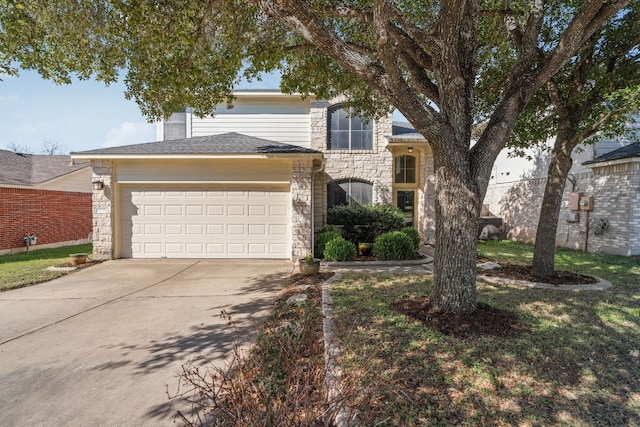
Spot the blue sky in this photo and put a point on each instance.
(82, 116)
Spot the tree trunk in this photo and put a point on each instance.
(457, 210)
(544, 250)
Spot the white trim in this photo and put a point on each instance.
(188, 120)
(160, 130)
(613, 162)
(170, 156)
(180, 182)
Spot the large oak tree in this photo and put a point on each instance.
(423, 57)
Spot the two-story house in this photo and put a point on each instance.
(255, 180)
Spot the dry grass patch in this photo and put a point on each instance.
(572, 360)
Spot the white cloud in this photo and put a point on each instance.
(9, 98)
(130, 133)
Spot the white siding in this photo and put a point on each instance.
(78, 181)
(192, 170)
(281, 119)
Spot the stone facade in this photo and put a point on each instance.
(373, 166)
(103, 215)
(615, 188)
(301, 227)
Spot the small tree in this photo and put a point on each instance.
(596, 94)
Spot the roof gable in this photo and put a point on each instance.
(33, 169)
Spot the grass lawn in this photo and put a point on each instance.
(26, 269)
(576, 363)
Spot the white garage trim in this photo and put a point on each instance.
(205, 221)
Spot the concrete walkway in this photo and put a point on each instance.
(100, 347)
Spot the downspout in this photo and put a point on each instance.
(313, 209)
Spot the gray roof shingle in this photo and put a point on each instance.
(32, 169)
(628, 151)
(227, 143)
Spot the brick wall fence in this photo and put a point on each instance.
(616, 198)
(53, 216)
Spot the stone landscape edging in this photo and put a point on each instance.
(602, 284)
(426, 260)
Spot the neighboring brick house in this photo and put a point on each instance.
(254, 181)
(46, 196)
(611, 178)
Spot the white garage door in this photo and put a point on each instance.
(205, 222)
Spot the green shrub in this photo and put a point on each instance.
(328, 233)
(395, 245)
(365, 223)
(339, 249)
(414, 236)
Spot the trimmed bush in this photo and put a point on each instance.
(414, 236)
(339, 249)
(393, 246)
(365, 223)
(328, 233)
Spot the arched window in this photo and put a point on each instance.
(405, 170)
(349, 192)
(348, 133)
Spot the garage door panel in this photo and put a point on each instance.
(235, 210)
(173, 210)
(173, 229)
(215, 210)
(257, 230)
(196, 229)
(187, 222)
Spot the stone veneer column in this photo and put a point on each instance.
(103, 215)
(301, 228)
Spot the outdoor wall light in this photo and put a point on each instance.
(98, 185)
(410, 149)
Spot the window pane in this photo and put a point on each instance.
(410, 162)
(336, 195)
(349, 192)
(367, 140)
(410, 166)
(358, 135)
(410, 176)
(399, 170)
(356, 140)
(344, 120)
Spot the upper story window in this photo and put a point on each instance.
(405, 170)
(349, 192)
(348, 133)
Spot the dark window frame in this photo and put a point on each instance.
(347, 133)
(405, 174)
(337, 195)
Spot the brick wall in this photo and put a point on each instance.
(616, 193)
(53, 216)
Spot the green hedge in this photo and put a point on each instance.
(395, 245)
(414, 236)
(328, 233)
(339, 249)
(365, 223)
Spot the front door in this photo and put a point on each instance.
(405, 201)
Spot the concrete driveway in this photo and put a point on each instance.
(103, 345)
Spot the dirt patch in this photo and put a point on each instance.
(486, 320)
(523, 272)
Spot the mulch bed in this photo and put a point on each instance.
(486, 320)
(523, 272)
